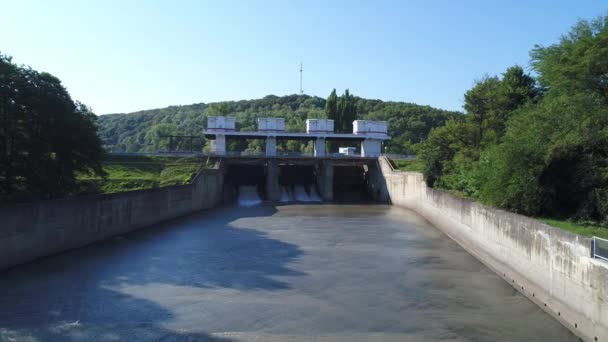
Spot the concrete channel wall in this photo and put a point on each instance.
(552, 267)
(34, 230)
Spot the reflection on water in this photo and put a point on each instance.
(298, 272)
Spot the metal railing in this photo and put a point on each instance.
(600, 248)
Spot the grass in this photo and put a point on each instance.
(577, 228)
(407, 164)
(126, 173)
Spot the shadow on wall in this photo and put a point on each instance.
(129, 287)
(376, 183)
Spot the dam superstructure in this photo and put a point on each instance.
(322, 175)
(367, 134)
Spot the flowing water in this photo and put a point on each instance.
(305, 272)
(248, 196)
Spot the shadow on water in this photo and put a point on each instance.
(79, 295)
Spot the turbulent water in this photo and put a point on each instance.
(248, 196)
(299, 272)
(299, 194)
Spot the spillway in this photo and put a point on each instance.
(248, 196)
(271, 273)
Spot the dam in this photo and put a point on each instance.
(281, 247)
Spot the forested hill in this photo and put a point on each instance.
(141, 131)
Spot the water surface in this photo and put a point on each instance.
(271, 273)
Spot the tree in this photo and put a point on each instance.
(331, 106)
(219, 109)
(157, 138)
(492, 100)
(45, 137)
(347, 112)
(408, 123)
(537, 150)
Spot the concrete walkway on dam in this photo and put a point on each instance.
(266, 273)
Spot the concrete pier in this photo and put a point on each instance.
(271, 146)
(273, 188)
(325, 181)
(320, 147)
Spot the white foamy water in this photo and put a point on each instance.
(300, 194)
(248, 196)
(314, 196)
(286, 195)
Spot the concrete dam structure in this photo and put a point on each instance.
(328, 179)
(298, 248)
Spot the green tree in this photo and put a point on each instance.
(555, 155)
(219, 109)
(408, 123)
(157, 138)
(45, 137)
(347, 112)
(331, 106)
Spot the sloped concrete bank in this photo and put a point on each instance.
(33, 230)
(552, 267)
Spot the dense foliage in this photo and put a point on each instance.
(126, 173)
(143, 131)
(45, 137)
(535, 146)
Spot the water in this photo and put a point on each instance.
(248, 196)
(301, 195)
(286, 195)
(271, 273)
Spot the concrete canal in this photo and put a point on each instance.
(319, 272)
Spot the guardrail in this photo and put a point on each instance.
(256, 154)
(600, 248)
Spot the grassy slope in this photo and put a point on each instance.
(407, 164)
(127, 173)
(580, 229)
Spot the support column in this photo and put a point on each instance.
(325, 181)
(218, 146)
(371, 148)
(320, 147)
(271, 146)
(273, 189)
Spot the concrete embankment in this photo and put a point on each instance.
(552, 267)
(34, 230)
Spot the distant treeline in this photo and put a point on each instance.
(535, 145)
(144, 131)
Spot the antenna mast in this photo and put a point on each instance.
(301, 91)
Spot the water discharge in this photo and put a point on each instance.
(298, 272)
(248, 196)
(301, 195)
(286, 195)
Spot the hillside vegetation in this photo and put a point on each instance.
(125, 173)
(142, 131)
(534, 144)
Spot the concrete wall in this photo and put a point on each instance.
(552, 267)
(325, 180)
(34, 230)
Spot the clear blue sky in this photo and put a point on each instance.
(122, 56)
